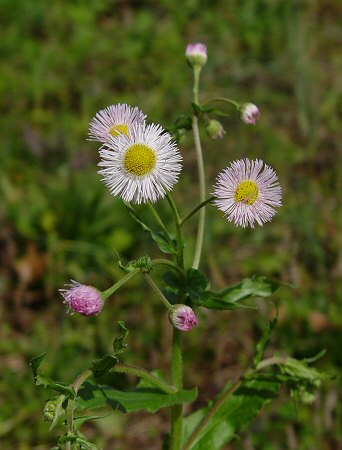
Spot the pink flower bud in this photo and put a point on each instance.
(85, 300)
(183, 317)
(250, 113)
(196, 54)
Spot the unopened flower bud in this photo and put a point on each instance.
(183, 317)
(250, 113)
(215, 129)
(196, 54)
(53, 408)
(85, 300)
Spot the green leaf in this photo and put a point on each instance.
(100, 367)
(119, 344)
(176, 286)
(196, 283)
(144, 397)
(165, 243)
(303, 379)
(79, 421)
(43, 380)
(230, 298)
(231, 416)
(263, 342)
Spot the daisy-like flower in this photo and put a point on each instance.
(196, 54)
(142, 166)
(113, 121)
(183, 317)
(247, 192)
(85, 300)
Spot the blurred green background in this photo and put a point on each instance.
(62, 61)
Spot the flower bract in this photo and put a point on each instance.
(142, 166)
(113, 121)
(85, 300)
(248, 192)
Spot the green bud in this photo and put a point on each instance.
(215, 129)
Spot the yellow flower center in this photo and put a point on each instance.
(140, 159)
(118, 129)
(247, 192)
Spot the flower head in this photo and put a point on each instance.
(183, 317)
(114, 120)
(142, 166)
(247, 192)
(215, 129)
(250, 113)
(85, 300)
(196, 54)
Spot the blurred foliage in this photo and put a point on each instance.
(61, 62)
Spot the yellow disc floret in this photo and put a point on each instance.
(140, 159)
(247, 192)
(118, 129)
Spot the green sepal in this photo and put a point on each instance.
(100, 367)
(260, 348)
(119, 344)
(43, 380)
(165, 242)
(144, 397)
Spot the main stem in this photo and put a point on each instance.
(201, 175)
(176, 410)
(71, 403)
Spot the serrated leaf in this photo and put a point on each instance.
(231, 416)
(119, 344)
(100, 367)
(263, 342)
(43, 380)
(230, 298)
(144, 397)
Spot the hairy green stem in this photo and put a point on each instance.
(119, 283)
(142, 373)
(160, 222)
(167, 262)
(198, 207)
(156, 289)
(177, 375)
(225, 100)
(180, 240)
(201, 174)
(71, 403)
